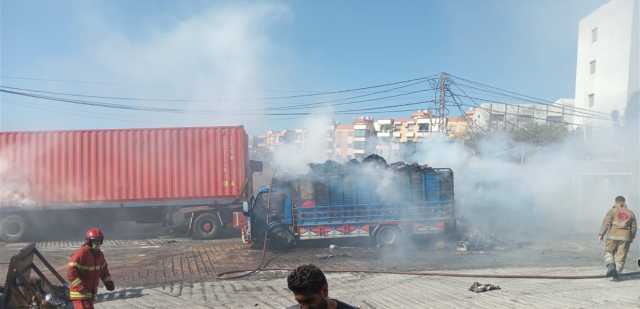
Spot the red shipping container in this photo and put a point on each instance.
(123, 164)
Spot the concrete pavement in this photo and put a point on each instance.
(268, 290)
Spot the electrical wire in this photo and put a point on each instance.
(309, 94)
(527, 116)
(572, 108)
(534, 99)
(185, 111)
(516, 105)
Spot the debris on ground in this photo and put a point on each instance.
(461, 246)
(480, 287)
(330, 256)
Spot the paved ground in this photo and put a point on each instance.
(393, 291)
(181, 273)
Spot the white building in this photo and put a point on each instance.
(607, 62)
(501, 116)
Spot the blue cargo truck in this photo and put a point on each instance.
(356, 199)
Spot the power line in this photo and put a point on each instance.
(527, 116)
(298, 106)
(309, 94)
(353, 97)
(516, 105)
(57, 80)
(320, 93)
(576, 109)
(535, 99)
(180, 111)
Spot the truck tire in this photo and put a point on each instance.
(206, 226)
(388, 236)
(281, 238)
(12, 228)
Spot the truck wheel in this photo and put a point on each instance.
(281, 238)
(12, 228)
(206, 226)
(388, 236)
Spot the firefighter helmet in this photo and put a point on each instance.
(94, 234)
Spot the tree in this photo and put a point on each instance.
(540, 134)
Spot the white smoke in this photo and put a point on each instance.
(315, 147)
(515, 189)
(220, 56)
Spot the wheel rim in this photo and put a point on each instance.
(12, 228)
(388, 236)
(207, 227)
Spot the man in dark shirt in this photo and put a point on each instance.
(311, 290)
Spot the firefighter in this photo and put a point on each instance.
(619, 228)
(87, 266)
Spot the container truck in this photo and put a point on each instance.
(190, 178)
(359, 199)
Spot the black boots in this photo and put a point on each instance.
(611, 271)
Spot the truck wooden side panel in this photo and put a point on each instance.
(122, 165)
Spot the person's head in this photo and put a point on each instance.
(93, 238)
(620, 200)
(309, 286)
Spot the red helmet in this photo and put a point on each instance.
(94, 233)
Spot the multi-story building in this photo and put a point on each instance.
(343, 141)
(364, 137)
(608, 61)
(457, 127)
(384, 134)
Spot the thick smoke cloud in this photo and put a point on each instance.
(223, 56)
(293, 158)
(517, 190)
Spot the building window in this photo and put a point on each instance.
(360, 133)
(592, 67)
(359, 145)
(423, 127)
(592, 100)
(385, 128)
(594, 35)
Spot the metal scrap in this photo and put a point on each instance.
(483, 287)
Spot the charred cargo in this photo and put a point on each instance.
(356, 199)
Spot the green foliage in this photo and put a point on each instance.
(540, 134)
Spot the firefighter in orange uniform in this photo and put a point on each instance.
(619, 228)
(87, 266)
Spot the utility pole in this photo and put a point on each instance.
(442, 103)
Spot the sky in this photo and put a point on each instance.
(229, 54)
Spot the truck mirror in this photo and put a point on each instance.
(245, 207)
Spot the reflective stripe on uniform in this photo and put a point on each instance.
(76, 282)
(79, 295)
(86, 268)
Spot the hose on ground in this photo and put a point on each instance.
(444, 274)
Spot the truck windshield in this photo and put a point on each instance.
(262, 207)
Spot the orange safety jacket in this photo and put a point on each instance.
(85, 269)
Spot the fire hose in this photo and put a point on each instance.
(264, 262)
(247, 272)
